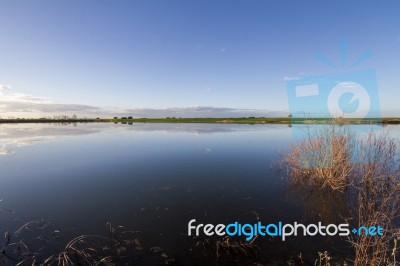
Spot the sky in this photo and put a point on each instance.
(187, 58)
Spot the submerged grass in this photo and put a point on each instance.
(224, 120)
(118, 248)
(322, 158)
(366, 171)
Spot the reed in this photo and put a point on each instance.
(368, 169)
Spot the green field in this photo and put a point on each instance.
(230, 120)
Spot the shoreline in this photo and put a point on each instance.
(249, 120)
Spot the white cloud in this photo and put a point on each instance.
(42, 107)
(290, 78)
(296, 76)
(223, 50)
(27, 106)
(208, 89)
(201, 111)
(4, 88)
(22, 97)
(24, 105)
(6, 96)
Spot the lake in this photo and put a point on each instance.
(141, 184)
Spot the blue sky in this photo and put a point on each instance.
(204, 58)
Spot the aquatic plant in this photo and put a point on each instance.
(368, 169)
(323, 158)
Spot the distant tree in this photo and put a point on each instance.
(115, 117)
(290, 115)
(130, 117)
(340, 119)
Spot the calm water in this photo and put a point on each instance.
(150, 180)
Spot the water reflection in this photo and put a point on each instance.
(14, 136)
(324, 205)
(151, 179)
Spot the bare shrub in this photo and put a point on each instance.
(322, 158)
(377, 182)
(368, 168)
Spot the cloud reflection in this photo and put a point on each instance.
(14, 136)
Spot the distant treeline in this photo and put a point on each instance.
(227, 120)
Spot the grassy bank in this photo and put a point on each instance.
(230, 120)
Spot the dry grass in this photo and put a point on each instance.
(120, 247)
(322, 159)
(367, 168)
(378, 201)
(82, 251)
(227, 247)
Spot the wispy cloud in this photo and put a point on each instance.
(55, 108)
(290, 78)
(296, 76)
(201, 111)
(6, 94)
(4, 88)
(16, 104)
(22, 97)
(223, 50)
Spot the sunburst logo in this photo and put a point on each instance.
(348, 94)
